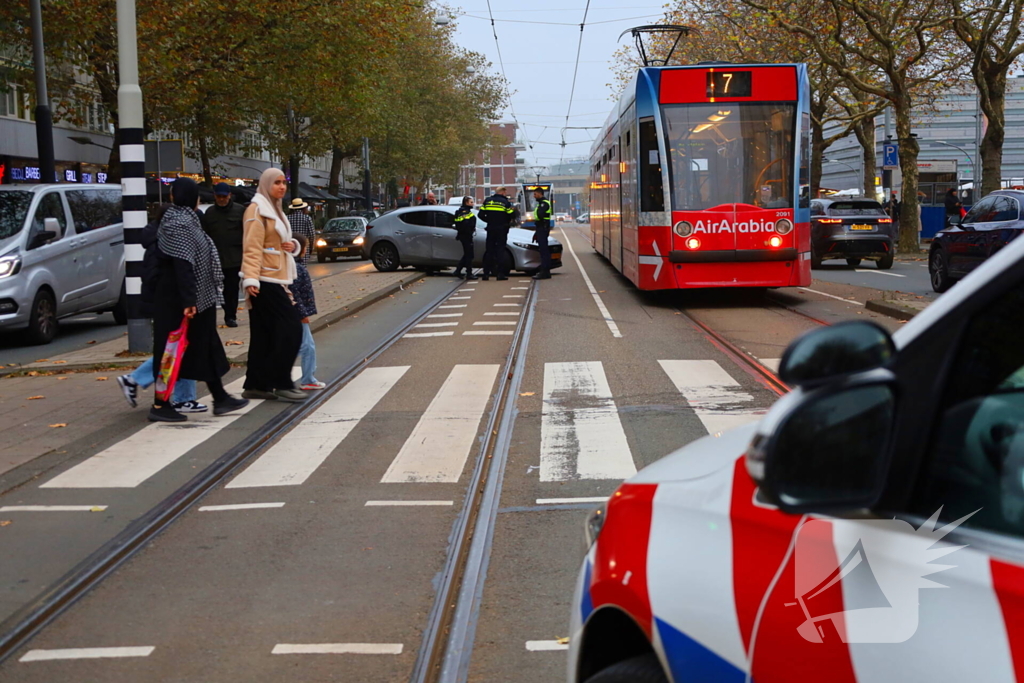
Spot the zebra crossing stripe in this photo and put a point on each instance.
(585, 442)
(713, 394)
(440, 443)
(294, 458)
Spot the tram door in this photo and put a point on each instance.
(614, 209)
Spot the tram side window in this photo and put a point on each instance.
(805, 160)
(652, 195)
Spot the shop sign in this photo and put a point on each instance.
(70, 175)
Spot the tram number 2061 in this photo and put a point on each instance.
(729, 84)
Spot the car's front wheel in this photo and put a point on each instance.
(938, 270)
(644, 669)
(385, 257)
(42, 320)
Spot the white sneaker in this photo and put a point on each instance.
(129, 388)
(191, 407)
(315, 385)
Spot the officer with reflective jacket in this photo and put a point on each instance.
(497, 213)
(542, 228)
(465, 226)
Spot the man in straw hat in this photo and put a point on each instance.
(302, 224)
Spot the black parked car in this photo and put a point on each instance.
(341, 237)
(851, 228)
(964, 245)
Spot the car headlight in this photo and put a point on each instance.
(10, 265)
(783, 226)
(683, 228)
(321, 242)
(524, 245)
(594, 523)
(358, 240)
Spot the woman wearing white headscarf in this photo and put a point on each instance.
(268, 267)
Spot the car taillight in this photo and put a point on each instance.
(829, 221)
(885, 220)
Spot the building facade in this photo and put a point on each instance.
(569, 186)
(504, 165)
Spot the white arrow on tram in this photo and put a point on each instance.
(657, 260)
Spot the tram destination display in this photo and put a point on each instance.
(729, 84)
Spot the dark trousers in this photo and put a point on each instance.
(540, 235)
(275, 335)
(231, 281)
(467, 256)
(494, 262)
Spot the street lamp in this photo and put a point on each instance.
(860, 182)
(82, 140)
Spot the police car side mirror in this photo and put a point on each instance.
(836, 351)
(826, 450)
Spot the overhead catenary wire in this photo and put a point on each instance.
(561, 23)
(575, 72)
(504, 78)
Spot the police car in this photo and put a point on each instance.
(869, 528)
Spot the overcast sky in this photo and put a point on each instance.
(539, 61)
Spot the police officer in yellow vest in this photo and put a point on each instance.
(542, 228)
(497, 213)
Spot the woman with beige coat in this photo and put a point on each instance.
(268, 267)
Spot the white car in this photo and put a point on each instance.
(869, 528)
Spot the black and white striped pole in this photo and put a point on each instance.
(133, 173)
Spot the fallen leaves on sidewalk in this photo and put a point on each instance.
(58, 425)
(35, 398)
(5, 522)
(61, 378)
(92, 342)
(43, 360)
(234, 343)
(528, 393)
(101, 379)
(59, 362)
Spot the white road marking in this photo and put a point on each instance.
(240, 506)
(771, 363)
(831, 296)
(501, 313)
(515, 288)
(439, 445)
(415, 335)
(508, 304)
(593, 290)
(295, 457)
(564, 501)
(437, 325)
(492, 333)
(512, 296)
(453, 306)
(87, 653)
(712, 393)
(459, 298)
(587, 442)
(408, 503)
(446, 315)
(496, 322)
(522, 280)
(133, 460)
(338, 649)
(877, 272)
(545, 645)
(53, 508)
(467, 289)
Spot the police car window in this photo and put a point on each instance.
(975, 459)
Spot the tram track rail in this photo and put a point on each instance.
(27, 622)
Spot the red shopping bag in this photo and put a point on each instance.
(170, 364)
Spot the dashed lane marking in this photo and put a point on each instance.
(87, 653)
(408, 503)
(416, 335)
(338, 649)
(240, 506)
(831, 296)
(593, 290)
(439, 445)
(298, 454)
(53, 508)
(546, 645)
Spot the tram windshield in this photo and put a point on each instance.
(731, 153)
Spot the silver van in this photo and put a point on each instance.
(61, 253)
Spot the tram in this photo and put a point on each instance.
(528, 205)
(700, 178)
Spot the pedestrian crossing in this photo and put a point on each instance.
(582, 436)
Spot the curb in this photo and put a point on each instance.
(892, 309)
(324, 321)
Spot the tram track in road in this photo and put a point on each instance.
(34, 616)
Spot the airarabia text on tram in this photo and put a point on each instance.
(751, 226)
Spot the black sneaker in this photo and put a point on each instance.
(191, 407)
(470, 276)
(500, 278)
(542, 276)
(129, 388)
(165, 413)
(260, 394)
(231, 323)
(229, 405)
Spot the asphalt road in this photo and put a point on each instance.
(320, 558)
(905, 276)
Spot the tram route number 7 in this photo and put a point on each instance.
(729, 84)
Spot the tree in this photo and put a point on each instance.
(991, 33)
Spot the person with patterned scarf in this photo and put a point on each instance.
(189, 285)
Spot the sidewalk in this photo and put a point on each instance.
(337, 296)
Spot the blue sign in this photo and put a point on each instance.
(890, 155)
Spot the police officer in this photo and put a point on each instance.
(541, 230)
(465, 226)
(497, 214)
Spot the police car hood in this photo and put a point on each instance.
(698, 458)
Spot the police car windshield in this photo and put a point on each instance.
(13, 208)
(730, 153)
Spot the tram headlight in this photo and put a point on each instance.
(775, 241)
(683, 228)
(783, 226)
(693, 243)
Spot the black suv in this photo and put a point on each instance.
(966, 243)
(851, 228)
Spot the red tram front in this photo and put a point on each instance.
(700, 178)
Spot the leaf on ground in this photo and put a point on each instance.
(33, 373)
(43, 360)
(92, 342)
(58, 425)
(528, 393)
(59, 362)
(61, 378)
(35, 398)
(101, 379)
(96, 508)
(562, 641)
(5, 522)
(233, 343)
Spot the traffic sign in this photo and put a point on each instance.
(890, 156)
